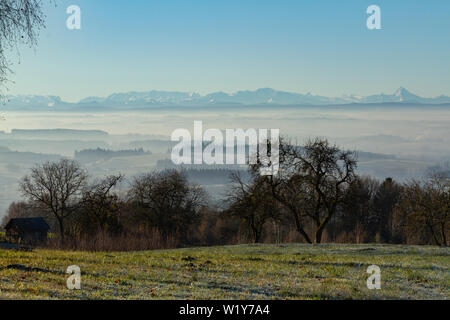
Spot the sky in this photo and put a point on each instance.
(319, 46)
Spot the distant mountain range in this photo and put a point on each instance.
(264, 96)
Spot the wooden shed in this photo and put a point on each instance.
(27, 230)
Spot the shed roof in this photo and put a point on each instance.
(28, 224)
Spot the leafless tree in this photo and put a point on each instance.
(100, 206)
(427, 204)
(311, 182)
(167, 200)
(17, 210)
(357, 211)
(252, 203)
(385, 200)
(57, 186)
(20, 22)
(286, 187)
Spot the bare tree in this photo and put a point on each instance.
(252, 203)
(100, 206)
(385, 200)
(428, 204)
(167, 200)
(20, 22)
(311, 182)
(56, 186)
(17, 210)
(357, 212)
(286, 187)
(326, 172)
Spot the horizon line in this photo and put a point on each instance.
(5, 95)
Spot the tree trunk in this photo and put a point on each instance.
(257, 237)
(300, 228)
(444, 238)
(61, 230)
(321, 227)
(304, 234)
(357, 232)
(293, 210)
(319, 235)
(256, 233)
(438, 243)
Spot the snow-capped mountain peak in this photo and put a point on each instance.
(245, 97)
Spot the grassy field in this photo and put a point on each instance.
(290, 271)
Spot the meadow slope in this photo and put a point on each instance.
(291, 271)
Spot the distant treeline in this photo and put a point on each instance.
(220, 169)
(12, 157)
(205, 176)
(99, 153)
(315, 197)
(55, 133)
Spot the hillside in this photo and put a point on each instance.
(233, 272)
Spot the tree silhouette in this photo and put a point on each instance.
(20, 22)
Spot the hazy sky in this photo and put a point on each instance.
(317, 46)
